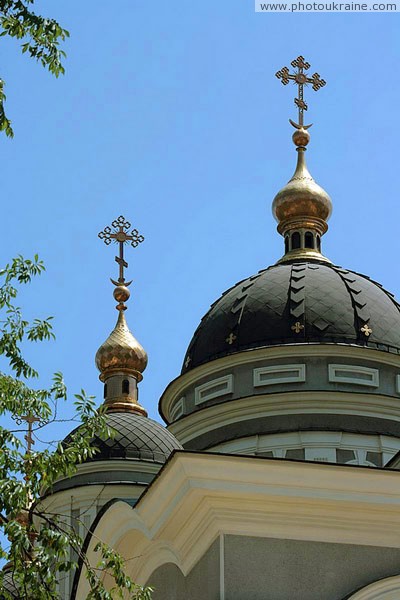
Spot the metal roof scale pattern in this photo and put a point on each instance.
(135, 437)
(306, 302)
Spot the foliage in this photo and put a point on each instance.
(41, 39)
(40, 544)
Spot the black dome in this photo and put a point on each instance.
(330, 304)
(136, 437)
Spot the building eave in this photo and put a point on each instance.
(197, 495)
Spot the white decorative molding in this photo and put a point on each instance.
(398, 384)
(319, 446)
(279, 374)
(285, 403)
(385, 589)
(213, 389)
(323, 454)
(180, 385)
(353, 374)
(177, 409)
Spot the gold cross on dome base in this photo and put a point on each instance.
(120, 235)
(366, 330)
(300, 78)
(297, 327)
(231, 338)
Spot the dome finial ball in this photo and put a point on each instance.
(301, 137)
(121, 293)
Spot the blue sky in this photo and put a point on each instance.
(170, 114)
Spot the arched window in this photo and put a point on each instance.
(318, 243)
(125, 386)
(286, 244)
(309, 240)
(105, 391)
(295, 240)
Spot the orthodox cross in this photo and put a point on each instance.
(119, 234)
(30, 420)
(301, 79)
(23, 515)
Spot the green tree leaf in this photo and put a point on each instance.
(38, 554)
(41, 40)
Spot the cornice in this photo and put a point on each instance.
(284, 403)
(177, 387)
(83, 495)
(111, 466)
(198, 496)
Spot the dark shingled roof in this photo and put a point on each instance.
(136, 437)
(8, 584)
(331, 304)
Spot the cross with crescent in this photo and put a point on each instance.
(119, 234)
(301, 79)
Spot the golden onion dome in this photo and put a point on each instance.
(302, 202)
(121, 352)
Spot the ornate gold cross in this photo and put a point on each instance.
(120, 235)
(231, 338)
(301, 79)
(366, 329)
(297, 327)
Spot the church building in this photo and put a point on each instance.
(275, 476)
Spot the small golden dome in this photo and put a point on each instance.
(302, 199)
(121, 352)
